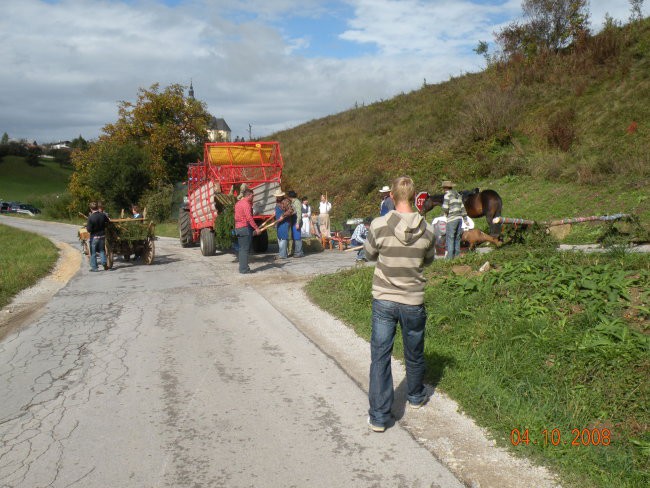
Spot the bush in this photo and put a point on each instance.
(561, 132)
(158, 203)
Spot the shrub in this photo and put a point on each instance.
(158, 203)
(491, 112)
(561, 131)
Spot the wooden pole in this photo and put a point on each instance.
(355, 248)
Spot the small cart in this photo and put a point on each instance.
(127, 237)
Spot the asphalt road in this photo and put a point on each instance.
(181, 374)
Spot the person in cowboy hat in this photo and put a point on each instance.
(387, 203)
(454, 210)
(283, 212)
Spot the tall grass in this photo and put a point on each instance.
(544, 341)
(575, 119)
(24, 259)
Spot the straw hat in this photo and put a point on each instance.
(385, 189)
(278, 193)
(447, 184)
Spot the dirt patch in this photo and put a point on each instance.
(28, 305)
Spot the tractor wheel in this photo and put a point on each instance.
(109, 256)
(208, 246)
(261, 242)
(148, 251)
(185, 228)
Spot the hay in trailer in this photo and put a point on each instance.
(128, 230)
(224, 227)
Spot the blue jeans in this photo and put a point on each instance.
(412, 319)
(97, 245)
(296, 235)
(283, 245)
(454, 233)
(361, 253)
(244, 236)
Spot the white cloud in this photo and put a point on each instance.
(65, 65)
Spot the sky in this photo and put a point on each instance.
(262, 65)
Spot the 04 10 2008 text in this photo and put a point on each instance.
(554, 437)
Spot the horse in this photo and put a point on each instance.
(485, 203)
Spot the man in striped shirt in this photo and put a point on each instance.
(402, 244)
(454, 209)
(245, 228)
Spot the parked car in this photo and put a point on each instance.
(7, 207)
(25, 208)
(31, 208)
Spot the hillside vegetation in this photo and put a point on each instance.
(21, 182)
(574, 124)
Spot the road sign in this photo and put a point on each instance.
(420, 198)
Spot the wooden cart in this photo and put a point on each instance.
(130, 237)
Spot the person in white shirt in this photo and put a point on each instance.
(324, 208)
(306, 217)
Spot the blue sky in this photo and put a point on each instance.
(270, 63)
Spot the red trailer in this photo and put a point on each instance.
(226, 166)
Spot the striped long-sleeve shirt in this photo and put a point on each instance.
(402, 244)
(453, 207)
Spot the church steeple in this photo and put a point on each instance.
(191, 94)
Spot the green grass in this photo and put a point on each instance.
(25, 258)
(547, 340)
(24, 183)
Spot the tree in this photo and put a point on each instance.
(119, 175)
(550, 26)
(79, 143)
(168, 131)
(61, 156)
(5, 139)
(32, 157)
(636, 7)
(168, 124)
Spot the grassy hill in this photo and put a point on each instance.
(559, 136)
(21, 182)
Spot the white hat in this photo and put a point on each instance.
(278, 193)
(385, 189)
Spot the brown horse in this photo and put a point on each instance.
(486, 203)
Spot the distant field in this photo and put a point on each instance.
(21, 182)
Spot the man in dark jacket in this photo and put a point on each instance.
(96, 227)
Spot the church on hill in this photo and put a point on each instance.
(218, 129)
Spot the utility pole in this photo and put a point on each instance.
(250, 137)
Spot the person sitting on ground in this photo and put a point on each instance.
(359, 237)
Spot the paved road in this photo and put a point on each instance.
(181, 374)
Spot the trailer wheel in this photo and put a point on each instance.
(185, 228)
(261, 242)
(208, 246)
(149, 251)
